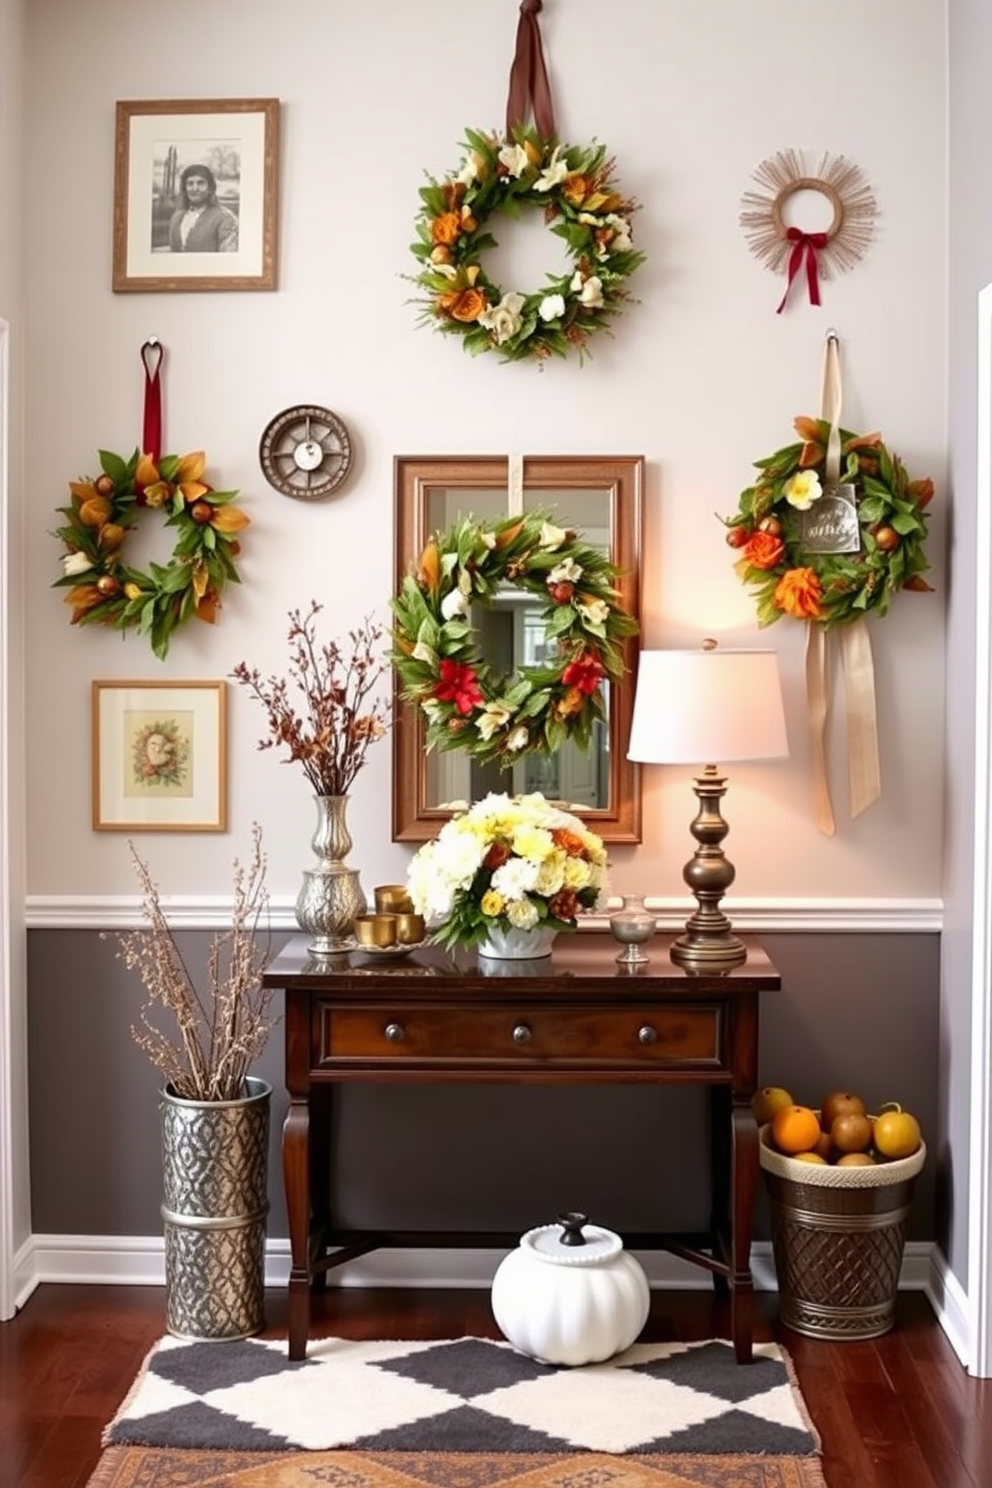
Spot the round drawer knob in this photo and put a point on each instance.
(521, 1034)
(647, 1034)
(394, 1033)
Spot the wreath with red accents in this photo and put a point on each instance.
(466, 705)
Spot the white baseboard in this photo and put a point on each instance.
(129, 1261)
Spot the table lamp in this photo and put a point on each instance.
(694, 706)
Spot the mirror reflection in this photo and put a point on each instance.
(601, 499)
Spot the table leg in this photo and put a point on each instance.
(296, 1176)
(743, 1192)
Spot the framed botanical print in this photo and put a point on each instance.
(195, 184)
(159, 756)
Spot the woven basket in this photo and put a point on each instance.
(838, 1236)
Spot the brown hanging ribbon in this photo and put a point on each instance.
(530, 90)
(152, 357)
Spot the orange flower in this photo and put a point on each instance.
(227, 519)
(469, 305)
(763, 550)
(82, 597)
(429, 569)
(798, 594)
(574, 188)
(156, 491)
(447, 228)
(922, 490)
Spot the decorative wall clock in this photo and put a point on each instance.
(305, 452)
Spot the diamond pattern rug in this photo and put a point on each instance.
(467, 1395)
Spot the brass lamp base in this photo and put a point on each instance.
(708, 943)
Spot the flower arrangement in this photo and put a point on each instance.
(104, 589)
(330, 734)
(507, 863)
(783, 568)
(437, 657)
(575, 190)
(222, 1033)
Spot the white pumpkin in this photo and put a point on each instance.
(570, 1303)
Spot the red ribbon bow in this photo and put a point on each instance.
(808, 244)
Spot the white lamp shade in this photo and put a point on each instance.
(707, 707)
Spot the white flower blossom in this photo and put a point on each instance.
(553, 173)
(453, 604)
(622, 240)
(568, 572)
(494, 717)
(515, 878)
(802, 489)
(515, 158)
(593, 611)
(591, 292)
(522, 914)
(471, 166)
(518, 739)
(423, 652)
(551, 537)
(552, 307)
(76, 563)
(504, 319)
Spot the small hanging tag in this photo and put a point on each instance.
(830, 525)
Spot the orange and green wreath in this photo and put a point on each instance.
(575, 191)
(834, 588)
(104, 589)
(437, 658)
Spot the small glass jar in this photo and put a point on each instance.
(633, 925)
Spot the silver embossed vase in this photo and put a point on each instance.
(331, 896)
(215, 1202)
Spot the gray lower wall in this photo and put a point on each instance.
(857, 1011)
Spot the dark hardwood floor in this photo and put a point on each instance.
(895, 1412)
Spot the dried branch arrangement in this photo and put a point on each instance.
(339, 718)
(220, 1033)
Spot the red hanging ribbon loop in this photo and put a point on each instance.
(808, 244)
(152, 357)
(529, 86)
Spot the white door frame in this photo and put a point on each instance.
(8, 1147)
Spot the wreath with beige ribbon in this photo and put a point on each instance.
(828, 532)
(436, 652)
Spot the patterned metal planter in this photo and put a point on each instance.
(215, 1172)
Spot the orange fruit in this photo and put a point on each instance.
(851, 1132)
(824, 1146)
(810, 1157)
(769, 1099)
(837, 1103)
(795, 1129)
(897, 1133)
(856, 1160)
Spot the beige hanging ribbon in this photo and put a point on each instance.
(514, 485)
(864, 773)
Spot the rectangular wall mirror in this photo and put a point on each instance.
(598, 496)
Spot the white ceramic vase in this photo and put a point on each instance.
(518, 945)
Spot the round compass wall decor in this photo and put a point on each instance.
(305, 452)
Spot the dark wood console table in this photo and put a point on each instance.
(575, 1018)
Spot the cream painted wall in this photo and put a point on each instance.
(702, 377)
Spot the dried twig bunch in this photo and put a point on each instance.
(222, 1032)
(339, 718)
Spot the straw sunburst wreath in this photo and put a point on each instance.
(836, 249)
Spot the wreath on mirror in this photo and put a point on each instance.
(436, 653)
(832, 588)
(574, 188)
(104, 589)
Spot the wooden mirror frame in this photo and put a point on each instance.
(621, 478)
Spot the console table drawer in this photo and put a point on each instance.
(631, 1037)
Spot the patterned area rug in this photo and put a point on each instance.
(160, 1467)
(471, 1396)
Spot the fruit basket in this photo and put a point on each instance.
(838, 1235)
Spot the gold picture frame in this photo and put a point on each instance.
(232, 145)
(159, 756)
